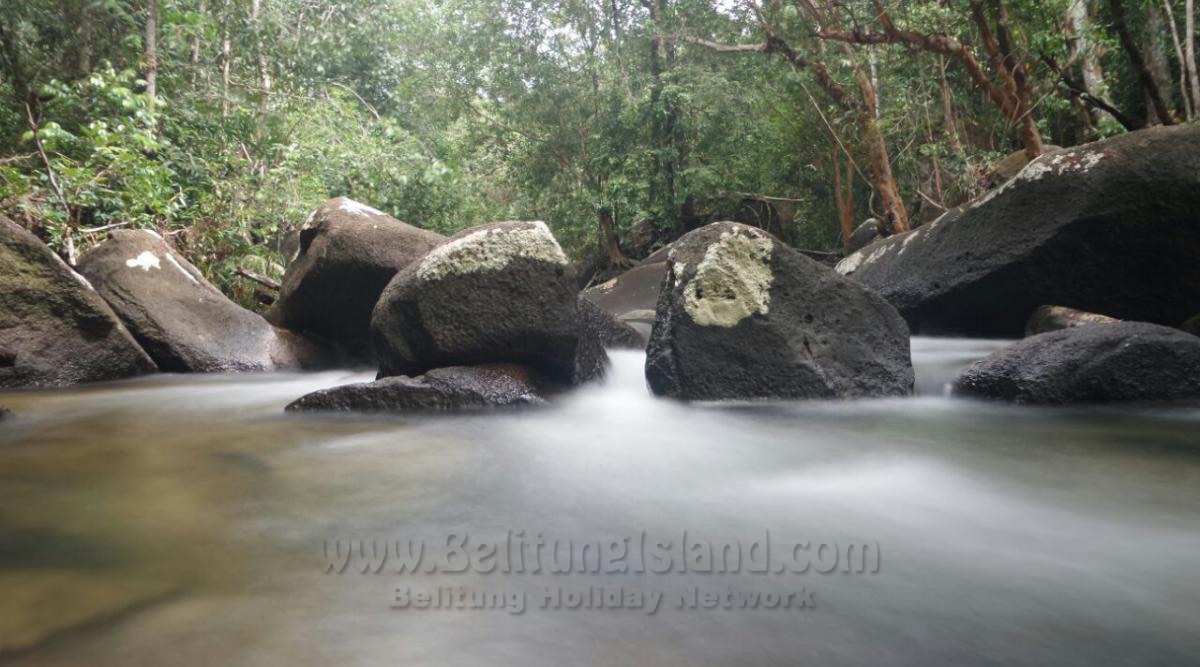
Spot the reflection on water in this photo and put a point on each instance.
(178, 520)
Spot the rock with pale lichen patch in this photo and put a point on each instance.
(502, 292)
(183, 321)
(1111, 227)
(741, 315)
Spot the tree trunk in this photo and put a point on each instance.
(663, 190)
(878, 162)
(1081, 50)
(1156, 56)
(950, 125)
(610, 241)
(1189, 54)
(1157, 103)
(260, 55)
(151, 48)
(194, 59)
(226, 56)
(84, 32)
(843, 193)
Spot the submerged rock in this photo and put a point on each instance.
(1112, 227)
(1125, 361)
(741, 315)
(1054, 318)
(452, 388)
(345, 255)
(5, 413)
(184, 322)
(502, 292)
(54, 329)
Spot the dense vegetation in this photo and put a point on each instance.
(221, 123)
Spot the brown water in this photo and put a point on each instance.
(179, 520)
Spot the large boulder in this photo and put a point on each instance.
(636, 289)
(346, 254)
(741, 315)
(452, 388)
(1192, 325)
(1111, 227)
(602, 326)
(865, 234)
(184, 322)
(502, 292)
(54, 329)
(1052, 318)
(1126, 361)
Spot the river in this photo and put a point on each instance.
(179, 520)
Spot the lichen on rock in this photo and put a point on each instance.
(732, 281)
(491, 250)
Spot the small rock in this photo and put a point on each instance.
(1125, 361)
(1053, 318)
(5, 413)
(440, 389)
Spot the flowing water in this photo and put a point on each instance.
(180, 520)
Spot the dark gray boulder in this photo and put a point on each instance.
(1126, 361)
(502, 292)
(183, 321)
(636, 289)
(1052, 318)
(865, 234)
(1111, 227)
(55, 330)
(346, 254)
(741, 315)
(610, 331)
(440, 389)
(1192, 325)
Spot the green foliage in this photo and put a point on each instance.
(448, 113)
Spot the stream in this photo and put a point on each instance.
(180, 520)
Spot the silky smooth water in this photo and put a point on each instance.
(179, 520)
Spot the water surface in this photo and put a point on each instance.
(179, 520)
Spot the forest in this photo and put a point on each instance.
(221, 124)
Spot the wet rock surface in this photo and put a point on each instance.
(502, 292)
(1125, 361)
(55, 330)
(343, 257)
(741, 315)
(441, 389)
(1111, 227)
(182, 321)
